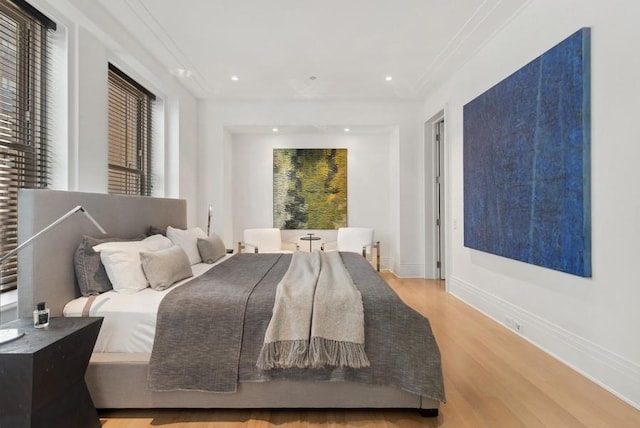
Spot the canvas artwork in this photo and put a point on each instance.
(309, 188)
(527, 162)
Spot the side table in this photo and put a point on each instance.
(309, 237)
(42, 375)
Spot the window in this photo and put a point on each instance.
(130, 114)
(24, 159)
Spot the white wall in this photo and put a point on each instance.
(90, 85)
(590, 323)
(367, 182)
(405, 251)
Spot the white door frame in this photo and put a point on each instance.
(432, 271)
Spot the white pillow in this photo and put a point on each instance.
(121, 261)
(188, 240)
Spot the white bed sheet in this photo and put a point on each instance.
(129, 323)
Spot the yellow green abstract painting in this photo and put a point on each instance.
(309, 188)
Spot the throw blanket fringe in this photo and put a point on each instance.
(337, 353)
(317, 318)
(284, 354)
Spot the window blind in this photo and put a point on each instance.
(24, 160)
(130, 145)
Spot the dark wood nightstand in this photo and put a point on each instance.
(42, 375)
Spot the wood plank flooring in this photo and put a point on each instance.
(493, 378)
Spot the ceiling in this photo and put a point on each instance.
(312, 49)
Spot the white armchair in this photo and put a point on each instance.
(356, 240)
(265, 240)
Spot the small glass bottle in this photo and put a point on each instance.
(41, 316)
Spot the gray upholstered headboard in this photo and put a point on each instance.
(45, 268)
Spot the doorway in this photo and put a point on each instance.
(439, 197)
(435, 227)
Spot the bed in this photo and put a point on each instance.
(120, 379)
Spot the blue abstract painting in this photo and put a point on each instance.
(527, 162)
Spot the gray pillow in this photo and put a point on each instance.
(90, 273)
(165, 267)
(211, 248)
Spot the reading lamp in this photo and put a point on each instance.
(7, 335)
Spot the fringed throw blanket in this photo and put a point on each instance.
(318, 317)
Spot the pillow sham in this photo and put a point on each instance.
(122, 262)
(164, 268)
(211, 248)
(90, 273)
(188, 240)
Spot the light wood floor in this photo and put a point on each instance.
(493, 378)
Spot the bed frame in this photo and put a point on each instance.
(116, 380)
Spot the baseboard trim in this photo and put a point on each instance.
(407, 270)
(614, 373)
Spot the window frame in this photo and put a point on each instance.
(24, 125)
(130, 110)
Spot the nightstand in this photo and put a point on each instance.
(42, 375)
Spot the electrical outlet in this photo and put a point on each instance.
(518, 327)
(514, 324)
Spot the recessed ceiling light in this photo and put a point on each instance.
(347, 130)
(181, 72)
(388, 78)
(234, 78)
(274, 129)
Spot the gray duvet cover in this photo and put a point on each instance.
(209, 332)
